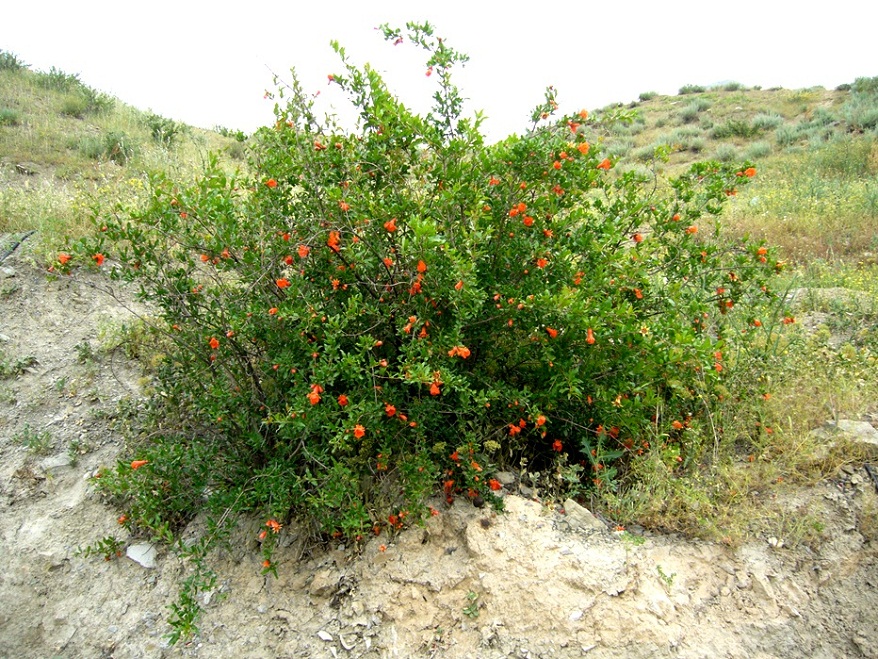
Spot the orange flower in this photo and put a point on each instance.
(583, 147)
(304, 250)
(434, 389)
(637, 238)
(213, 342)
(676, 217)
(266, 564)
(542, 263)
(552, 332)
(494, 484)
(638, 293)
(272, 311)
(676, 425)
(344, 206)
(422, 267)
(494, 181)
(390, 225)
(318, 146)
(557, 446)
(389, 409)
(99, 258)
(514, 429)
(137, 464)
(605, 164)
(262, 535)
(557, 164)
(589, 337)
(750, 172)
(342, 400)
(692, 229)
(541, 420)
(384, 547)
(458, 285)
(333, 241)
(359, 431)
(122, 519)
(283, 282)
(271, 183)
(274, 526)
(63, 258)
(387, 261)
(459, 351)
(583, 114)
(313, 397)
(455, 456)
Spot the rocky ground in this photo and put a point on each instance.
(535, 581)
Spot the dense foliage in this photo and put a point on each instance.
(381, 315)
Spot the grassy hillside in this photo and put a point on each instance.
(816, 150)
(64, 144)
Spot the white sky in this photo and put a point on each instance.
(209, 64)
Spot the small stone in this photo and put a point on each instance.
(576, 615)
(142, 553)
(860, 433)
(724, 591)
(56, 462)
(581, 518)
(323, 583)
(324, 635)
(505, 477)
(6, 272)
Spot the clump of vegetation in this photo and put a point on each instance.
(11, 62)
(38, 442)
(372, 319)
(165, 132)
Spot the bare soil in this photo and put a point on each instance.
(535, 581)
